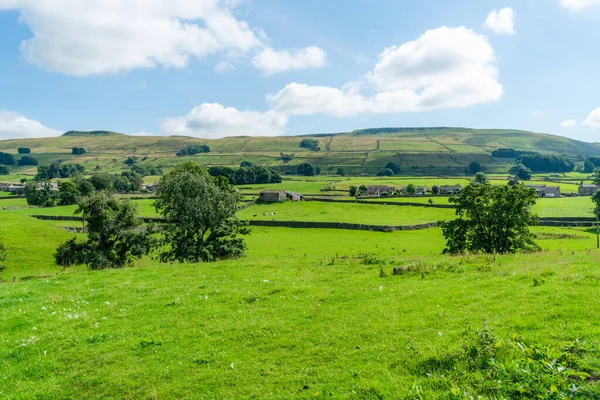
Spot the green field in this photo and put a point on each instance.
(307, 313)
(351, 213)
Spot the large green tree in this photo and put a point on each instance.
(200, 212)
(491, 219)
(116, 237)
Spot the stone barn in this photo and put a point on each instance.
(272, 196)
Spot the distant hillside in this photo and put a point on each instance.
(435, 150)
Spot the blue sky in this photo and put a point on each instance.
(211, 68)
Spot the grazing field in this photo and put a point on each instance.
(305, 329)
(350, 212)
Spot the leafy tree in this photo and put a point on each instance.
(247, 175)
(41, 194)
(246, 164)
(78, 151)
(341, 171)
(306, 170)
(68, 193)
(192, 150)
(385, 172)
(130, 160)
(25, 160)
(200, 212)
(411, 189)
(435, 189)
(394, 167)
(362, 190)
(23, 150)
(491, 219)
(480, 177)
(475, 167)
(588, 166)
(353, 191)
(116, 237)
(102, 182)
(310, 144)
(524, 174)
(4, 170)
(85, 188)
(7, 159)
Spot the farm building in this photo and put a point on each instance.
(11, 188)
(545, 190)
(275, 196)
(421, 190)
(378, 190)
(587, 190)
(447, 189)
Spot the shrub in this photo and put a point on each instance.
(78, 151)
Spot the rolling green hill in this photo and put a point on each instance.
(419, 150)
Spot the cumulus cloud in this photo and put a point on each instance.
(577, 5)
(272, 61)
(301, 99)
(444, 68)
(593, 119)
(568, 123)
(16, 126)
(501, 22)
(212, 120)
(108, 36)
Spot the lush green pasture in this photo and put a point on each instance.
(295, 328)
(565, 207)
(30, 246)
(345, 212)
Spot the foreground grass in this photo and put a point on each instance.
(297, 329)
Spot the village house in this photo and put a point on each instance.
(378, 190)
(276, 196)
(545, 190)
(587, 189)
(421, 190)
(12, 188)
(451, 190)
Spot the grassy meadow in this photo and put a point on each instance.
(307, 313)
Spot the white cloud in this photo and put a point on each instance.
(593, 119)
(577, 5)
(16, 126)
(272, 61)
(501, 22)
(301, 99)
(215, 121)
(537, 113)
(569, 123)
(444, 68)
(93, 37)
